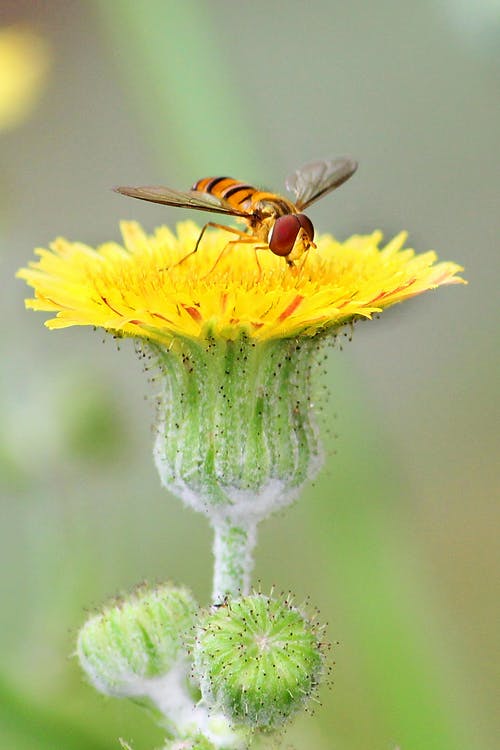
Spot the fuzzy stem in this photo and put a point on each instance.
(233, 547)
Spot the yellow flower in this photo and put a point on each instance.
(24, 61)
(233, 332)
(141, 289)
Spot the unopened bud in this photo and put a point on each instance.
(258, 660)
(136, 639)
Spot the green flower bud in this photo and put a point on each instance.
(257, 659)
(136, 640)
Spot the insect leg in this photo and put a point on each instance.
(216, 226)
(243, 238)
(259, 247)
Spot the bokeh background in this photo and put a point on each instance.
(396, 541)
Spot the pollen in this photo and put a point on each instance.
(155, 287)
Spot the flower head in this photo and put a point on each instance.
(154, 287)
(233, 332)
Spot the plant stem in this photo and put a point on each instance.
(233, 547)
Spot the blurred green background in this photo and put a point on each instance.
(396, 541)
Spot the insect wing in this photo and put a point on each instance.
(317, 178)
(189, 199)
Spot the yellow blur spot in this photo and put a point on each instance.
(24, 64)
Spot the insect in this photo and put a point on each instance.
(272, 219)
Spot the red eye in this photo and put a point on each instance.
(307, 226)
(283, 234)
(285, 230)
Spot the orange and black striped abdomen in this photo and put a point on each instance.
(238, 194)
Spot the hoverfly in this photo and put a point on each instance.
(272, 219)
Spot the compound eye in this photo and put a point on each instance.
(283, 234)
(307, 226)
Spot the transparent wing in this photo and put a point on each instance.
(317, 178)
(189, 199)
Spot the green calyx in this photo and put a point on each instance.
(258, 660)
(235, 434)
(136, 640)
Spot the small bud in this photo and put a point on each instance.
(136, 639)
(257, 659)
